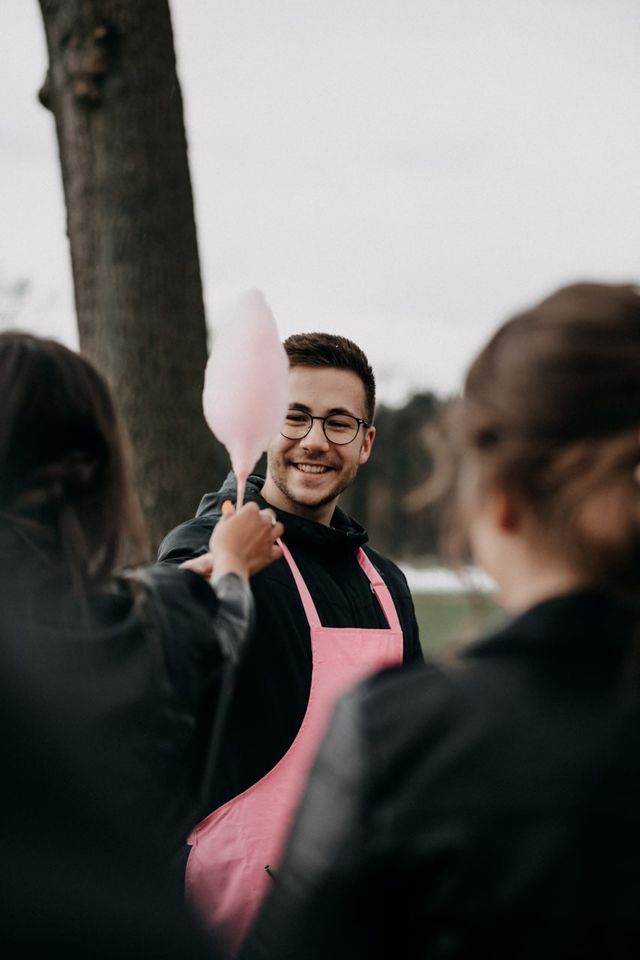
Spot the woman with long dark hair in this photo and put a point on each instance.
(489, 806)
(138, 653)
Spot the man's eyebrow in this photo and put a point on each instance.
(330, 413)
(341, 410)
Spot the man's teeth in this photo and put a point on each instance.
(311, 467)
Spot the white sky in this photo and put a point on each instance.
(404, 172)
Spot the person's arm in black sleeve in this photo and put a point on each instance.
(234, 617)
(203, 626)
(322, 902)
(216, 613)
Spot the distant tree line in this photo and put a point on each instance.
(389, 495)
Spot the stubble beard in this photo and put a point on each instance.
(306, 507)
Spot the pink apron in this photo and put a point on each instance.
(226, 876)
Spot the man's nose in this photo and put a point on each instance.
(315, 439)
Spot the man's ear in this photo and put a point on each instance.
(365, 450)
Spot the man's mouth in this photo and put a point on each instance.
(315, 468)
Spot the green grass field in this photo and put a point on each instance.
(446, 618)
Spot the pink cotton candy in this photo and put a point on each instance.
(245, 384)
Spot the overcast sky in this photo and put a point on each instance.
(405, 173)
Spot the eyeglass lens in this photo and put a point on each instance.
(338, 428)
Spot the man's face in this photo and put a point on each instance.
(307, 476)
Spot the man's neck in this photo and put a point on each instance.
(275, 498)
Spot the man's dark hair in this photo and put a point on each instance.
(331, 350)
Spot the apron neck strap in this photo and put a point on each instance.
(378, 586)
(380, 589)
(303, 590)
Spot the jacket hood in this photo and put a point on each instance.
(344, 534)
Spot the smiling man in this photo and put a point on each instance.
(317, 455)
(329, 612)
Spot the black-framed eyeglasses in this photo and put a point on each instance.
(337, 427)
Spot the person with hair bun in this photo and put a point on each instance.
(489, 805)
(135, 652)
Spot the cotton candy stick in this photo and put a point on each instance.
(245, 384)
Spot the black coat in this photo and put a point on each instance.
(80, 877)
(486, 808)
(138, 660)
(273, 681)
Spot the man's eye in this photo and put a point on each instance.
(295, 419)
(339, 423)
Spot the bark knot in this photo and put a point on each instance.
(88, 62)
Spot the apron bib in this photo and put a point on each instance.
(226, 877)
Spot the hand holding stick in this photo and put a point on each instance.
(243, 542)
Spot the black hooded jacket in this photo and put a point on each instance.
(274, 679)
(484, 807)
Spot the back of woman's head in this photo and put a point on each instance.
(64, 473)
(551, 413)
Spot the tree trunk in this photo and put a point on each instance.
(114, 92)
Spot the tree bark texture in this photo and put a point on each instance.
(115, 96)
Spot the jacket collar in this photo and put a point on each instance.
(344, 535)
(590, 621)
